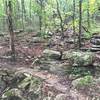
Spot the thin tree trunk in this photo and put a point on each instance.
(30, 9)
(61, 20)
(23, 13)
(88, 13)
(3, 16)
(40, 21)
(80, 22)
(74, 22)
(10, 27)
(40, 16)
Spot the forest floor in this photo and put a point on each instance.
(29, 47)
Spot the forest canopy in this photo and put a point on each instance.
(48, 14)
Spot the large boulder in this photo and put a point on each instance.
(84, 81)
(79, 58)
(51, 54)
(55, 67)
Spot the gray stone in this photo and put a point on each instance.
(37, 40)
(58, 69)
(79, 58)
(97, 81)
(96, 46)
(76, 82)
(51, 54)
(64, 97)
(13, 92)
(82, 81)
(45, 67)
(61, 97)
(50, 33)
(46, 64)
(95, 41)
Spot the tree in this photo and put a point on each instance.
(88, 13)
(23, 12)
(80, 22)
(74, 19)
(10, 28)
(61, 20)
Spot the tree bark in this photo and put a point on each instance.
(80, 22)
(74, 22)
(61, 20)
(88, 13)
(10, 28)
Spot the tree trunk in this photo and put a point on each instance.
(80, 22)
(61, 20)
(74, 22)
(10, 28)
(30, 9)
(88, 13)
(23, 13)
(40, 16)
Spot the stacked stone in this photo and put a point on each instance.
(95, 42)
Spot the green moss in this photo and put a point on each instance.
(85, 81)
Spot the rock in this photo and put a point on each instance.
(45, 67)
(97, 65)
(76, 82)
(97, 81)
(90, 49)
(50, 33)
(13, 92)
(51, 54)
(47, 98)
(96, 46)
(96, 36)
(64, 97)
(84, 81)
(55, 40)
(76, 95)
(70, 40)
(95, 49)
(37, 40)
(56, 70)
(79, 58)
(60, 97)
(95, 41)
(45, 64)
(53, 66)
(59, 69)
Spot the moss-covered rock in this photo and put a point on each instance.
(79, 58)
(19, 86)
(84, 81)
(51, 54)
(13, 94)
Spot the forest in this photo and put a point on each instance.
(49, 49)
